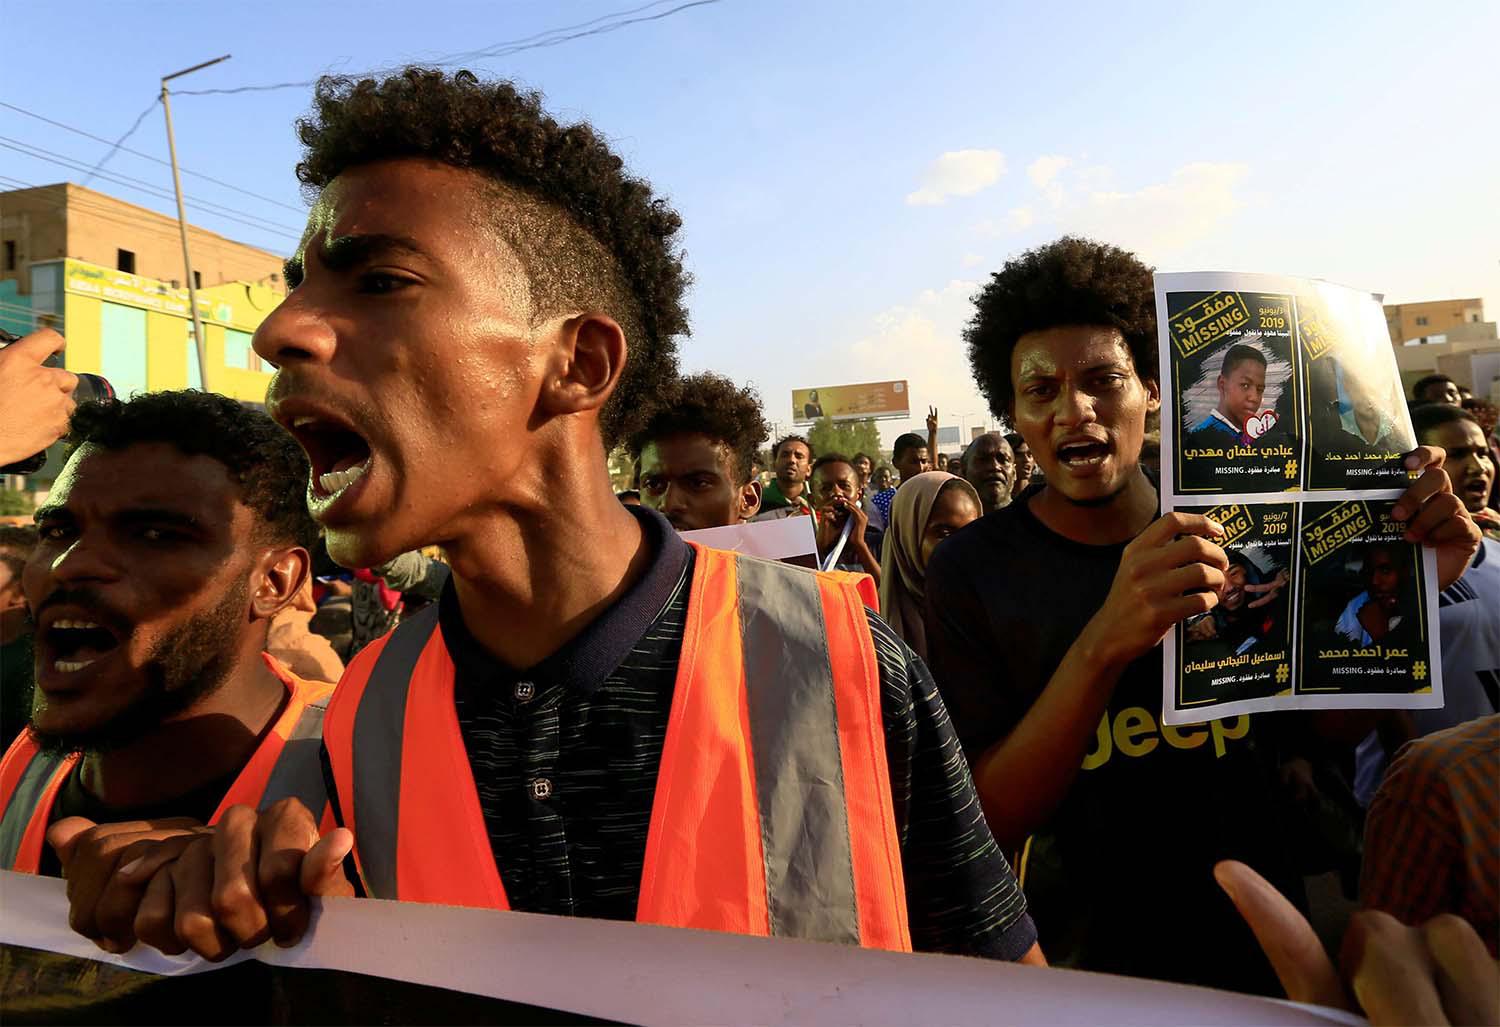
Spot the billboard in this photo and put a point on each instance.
(850, 402)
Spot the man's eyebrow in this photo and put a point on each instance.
(348, 251)
(157, 515)
(51, 512)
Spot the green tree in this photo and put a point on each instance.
(846, 437)
(15, 503)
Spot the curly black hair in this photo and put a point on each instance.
(598, 238)
(1072, 281)
(270, 467)
(712, 405)
(1428, 417)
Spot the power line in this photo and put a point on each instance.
(147, 156)
(230, 213)
(553, 37)
(114, 215)
(119, 142)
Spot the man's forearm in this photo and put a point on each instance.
(1022, 778)
(867, 560)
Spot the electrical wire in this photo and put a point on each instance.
(147, 156)
(119, 143)
(160, 224)
(229, 213)
(541, 40)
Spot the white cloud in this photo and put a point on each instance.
(1046, 168)
(921, 341)
(972, 259)
(1193, 203)
(958, 173)
(1158, 220)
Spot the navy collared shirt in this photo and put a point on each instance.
(565, 757)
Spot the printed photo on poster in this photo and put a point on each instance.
(1365, 605)
(1358, 425)
(1242, 648)
(1234, 392)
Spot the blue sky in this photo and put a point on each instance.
(850, 172)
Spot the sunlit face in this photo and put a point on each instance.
(1240, 391)
(863, 467)
(139, 588)
(990, 467)
(1468, 463)
(1081, 407)
(954, 509)
(792, 462)
(407, 363)
(689, 479)
(881, 479)
(912, 462)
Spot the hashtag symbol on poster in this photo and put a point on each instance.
(1291, 468)
(1282, 672)
(1419, 670)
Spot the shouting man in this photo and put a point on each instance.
(1044, 622)
(537, 739)
(168, 544)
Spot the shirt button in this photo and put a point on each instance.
(541, 788)
(525, 690)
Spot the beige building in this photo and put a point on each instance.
(67, 221)
(1433, 317)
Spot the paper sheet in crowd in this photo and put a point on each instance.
(1284, 419)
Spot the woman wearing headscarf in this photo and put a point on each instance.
(926, 510)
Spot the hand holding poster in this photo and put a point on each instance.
(1283, 420)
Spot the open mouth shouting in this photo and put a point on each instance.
(340, 456)
(70, 641)
(1082, 454)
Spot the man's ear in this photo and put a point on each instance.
(279, 578)
(588, 357)
(749, 499)
(1153, 395)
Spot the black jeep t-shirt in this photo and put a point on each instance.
(1121, 879)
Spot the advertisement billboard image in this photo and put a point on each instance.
(850, 402)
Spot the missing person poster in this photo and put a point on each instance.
(1234, 392)
(1283, 419)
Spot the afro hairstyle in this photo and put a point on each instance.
(258, 453)
(1069, 282)
(711, 405)
(589, 234)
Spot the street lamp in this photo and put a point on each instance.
(187, 260)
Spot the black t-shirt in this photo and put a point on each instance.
(1121, 879)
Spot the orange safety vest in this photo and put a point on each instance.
(287, 763)
(772, 814)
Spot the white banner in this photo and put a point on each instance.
(661, 975)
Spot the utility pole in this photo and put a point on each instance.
(187, 259)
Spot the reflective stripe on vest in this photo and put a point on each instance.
(30, 779)
(287, 764)
(772, 813)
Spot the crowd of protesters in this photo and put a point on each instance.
(547, 701)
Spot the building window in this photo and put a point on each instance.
(10, 254)
(197, 280)
(1421, 322)
(125, 261)
(1473, 318)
